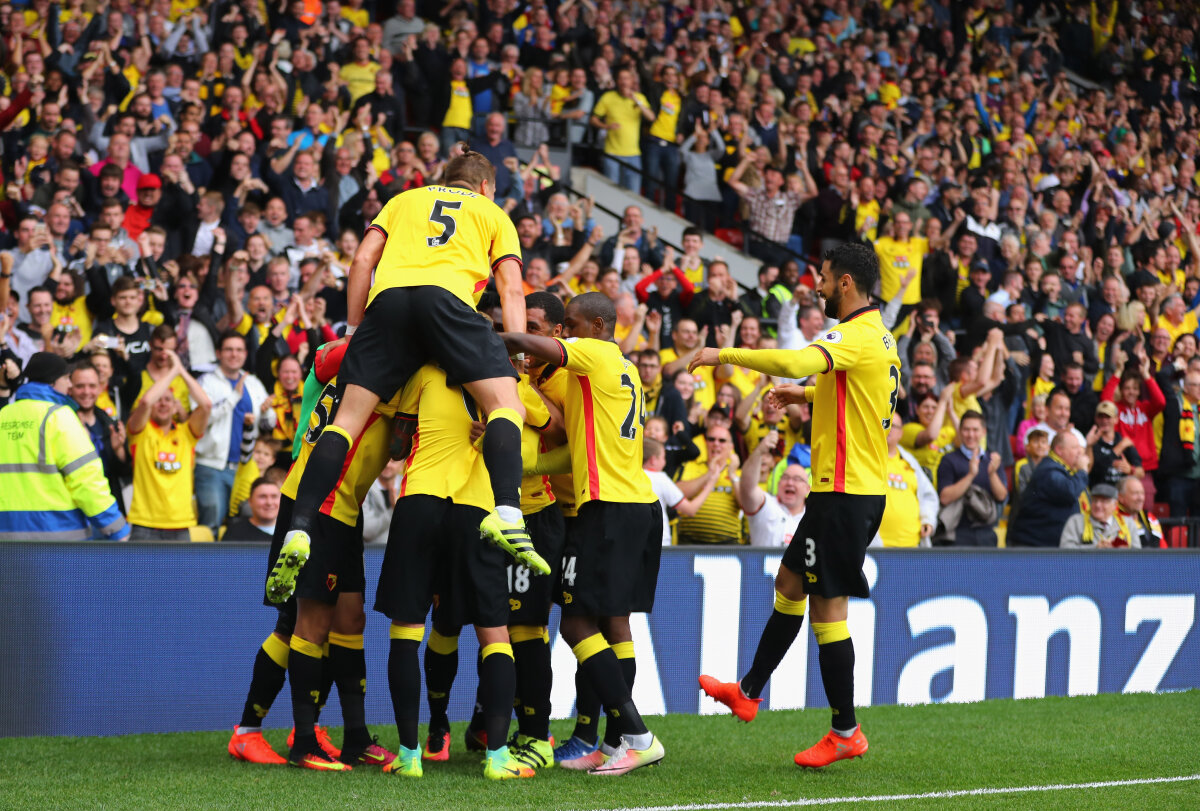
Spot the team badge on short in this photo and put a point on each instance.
(331, 581)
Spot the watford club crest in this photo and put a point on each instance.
(331, 581)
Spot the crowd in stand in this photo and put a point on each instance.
(186, 182)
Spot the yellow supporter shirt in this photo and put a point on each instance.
(1187, 326)
(929, 456)
(535, 490)
(613, 108)
(743, 380)
(858, 381)
(357, 17)
(443, 237)
(719, 519)
(667, 120)
(706, 387)
(621, 332)
(178, 388)
(895, 260)
(443, 463)
(163, 464)
(605, 411)
(366, 460)
(552, 383)
(458, 114)
(866, 220)
(558, 97)
(360, 79)
(73, 315)
(901, 525)
(694, 273)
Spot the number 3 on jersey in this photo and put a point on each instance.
(894, 374)
(441, 216)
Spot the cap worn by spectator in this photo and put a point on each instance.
(149, 181)
(1106, 409)
(45, 367)
(1104, 490)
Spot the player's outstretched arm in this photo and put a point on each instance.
(779, 362)
(358, 285)
(544, 349)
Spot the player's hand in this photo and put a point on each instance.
(787, 394)
(708, 356)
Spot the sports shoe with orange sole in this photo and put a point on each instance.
(252, 747)
(832, 748)
(323, 741)
(730, 694)
(442, 753)
(318, 761)
(372, 755)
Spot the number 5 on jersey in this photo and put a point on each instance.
(441, 216)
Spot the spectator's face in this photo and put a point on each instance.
(58, 220)
(1073, 318)
(719, 442)
(302, 167)
(1133, 496)
(793, 487)
(633, 219)
(148, 198)
(164, 408)
(113, 217)
(264, 504)
(727, 396)
(718, 279)
(85, 387)
(1073, 379)
(303, 230)
(686, 334)
(923, 380)
(160, 352)
(1191, 386)
(1103, 508)
(1160, 341)
(278, 276)
(186, 293)
(65, 291)
(261, 304)
(970, 434)
(685, 384)
(1058, 413)
(232, 355)
(41, 305)
(1037, 448)
(537, 273)
(495, 128)
(528, 231)
(750, 332)
(610, 285)
(290, 374)
(276, 212)
(649, 367)
(631, 261)
(127, 302)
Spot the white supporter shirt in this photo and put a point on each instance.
(772, 525)
(668, 494)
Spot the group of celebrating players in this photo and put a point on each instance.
(523, 486)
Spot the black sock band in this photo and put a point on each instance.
(305, 667)
(502, 455)
(534, 678)
(587, 709)
(440, 670)
(404, 683)
(837, 674)
(265, 683)
(778, 635)
(497, 686)
(348, 667)
(320, 477)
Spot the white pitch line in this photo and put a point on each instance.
(932, 795)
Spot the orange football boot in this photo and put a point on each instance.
(730, 694)
(252, 747)
(832, 748)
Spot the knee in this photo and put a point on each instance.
(789, 584)
(350, 623)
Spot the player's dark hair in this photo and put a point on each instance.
(591, 306)
(468, 169)
(490, 300)
(548, 303)
(857, 259)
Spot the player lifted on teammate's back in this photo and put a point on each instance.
(858, 379)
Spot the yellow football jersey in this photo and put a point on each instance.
(858, 381)
(552, 382)
(442, 462)
(367, 458)
(535, 490)
(895, 260)
(443, 237)
(605, 411)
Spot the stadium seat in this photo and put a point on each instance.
(200, 534)
(732, 236)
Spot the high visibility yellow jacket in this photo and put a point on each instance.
(52, 483)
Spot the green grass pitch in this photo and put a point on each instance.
(710, 760)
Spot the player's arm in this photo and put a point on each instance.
(358, 285)
(512, 294)
(544, 349)
(813, 359)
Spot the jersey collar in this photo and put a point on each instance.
(863, 311)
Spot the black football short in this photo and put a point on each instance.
(831, 542)
(610, 563)
(434, 548)
(335, 562)
(406, 327)
(531, 595)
